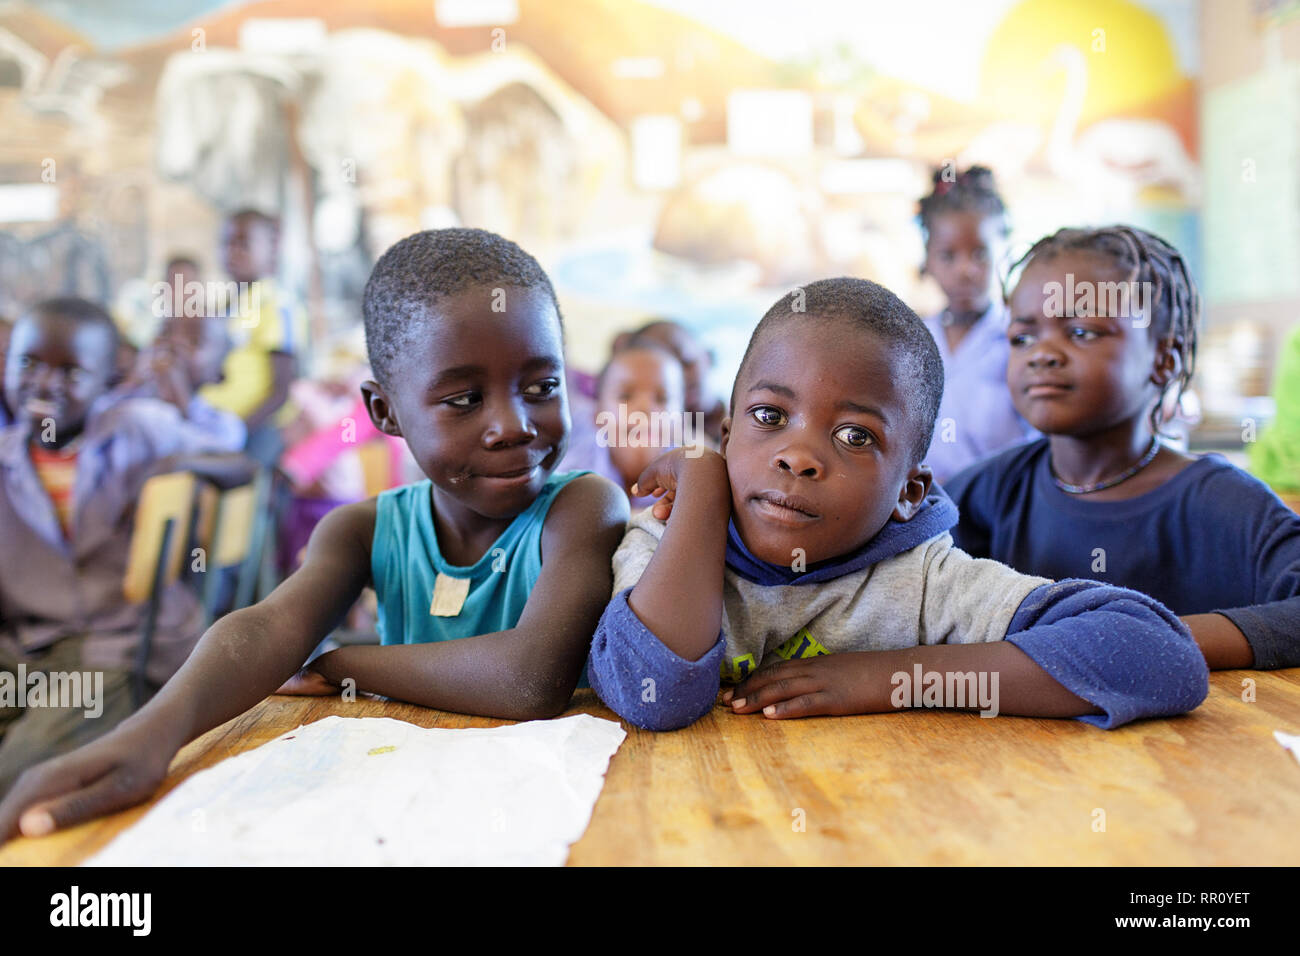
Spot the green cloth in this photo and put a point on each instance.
(1275, 457)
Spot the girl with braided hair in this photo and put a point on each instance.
(1103, 335)
(964, 224)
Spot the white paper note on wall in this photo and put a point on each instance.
(374, 791)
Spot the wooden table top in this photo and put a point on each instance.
(921, 787)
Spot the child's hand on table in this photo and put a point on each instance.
(679, 466)
(308, 683)
(828, 684)
(119, 770)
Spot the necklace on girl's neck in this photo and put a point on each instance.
(1124, 475)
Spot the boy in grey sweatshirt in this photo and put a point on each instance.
(813, 565)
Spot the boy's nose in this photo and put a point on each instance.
(798, 460)
(1045, 355)
(510, 425)
(45, 380)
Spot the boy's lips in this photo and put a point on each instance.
(791, 510)
(513, 476)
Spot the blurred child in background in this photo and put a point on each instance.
(189, 353)
(262, 363)
(640, 413)
(963, 221)
(70, 480)
(697, 363)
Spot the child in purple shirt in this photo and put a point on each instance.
(964, 224)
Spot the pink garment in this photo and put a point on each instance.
(306, 461)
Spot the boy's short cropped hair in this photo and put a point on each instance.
(422, 268)
(252, 212)
(877, 310)
(177, 261)
(634, 345)
(79, 311)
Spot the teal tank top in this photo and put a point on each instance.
(405, 562)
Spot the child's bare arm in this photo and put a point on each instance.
(679, 596)
(241, 659)
(867, 682)
(528, 671)
(1221, 641)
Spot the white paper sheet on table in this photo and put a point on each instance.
(348, 791)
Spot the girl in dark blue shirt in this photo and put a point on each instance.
(1103, 335)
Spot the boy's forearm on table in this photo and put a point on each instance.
(1022, 687)
(465, 676)
(679, 596)
(1221, 641)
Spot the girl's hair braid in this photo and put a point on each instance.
(970, 191)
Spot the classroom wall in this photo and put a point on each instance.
(659, 156)
(1250, 114)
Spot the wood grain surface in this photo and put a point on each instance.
(921, 787)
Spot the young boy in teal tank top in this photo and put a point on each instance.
(406, 566)
(491, 575)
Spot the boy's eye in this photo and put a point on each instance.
(464, 400)
(1086, 335)
(544, 389)
(1024, 338)
(769, 416)
(855, 436)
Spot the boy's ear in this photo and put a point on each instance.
(380, 409)
(726, 434)
(913, 492)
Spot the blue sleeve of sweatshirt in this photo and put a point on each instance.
(1270, 561)
(1272, 631)
(1121, 651)
(643, 681)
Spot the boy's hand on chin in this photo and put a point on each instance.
(308, 683)
(678, 468)
(830, 684)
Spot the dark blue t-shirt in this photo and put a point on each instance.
(1210, 539)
